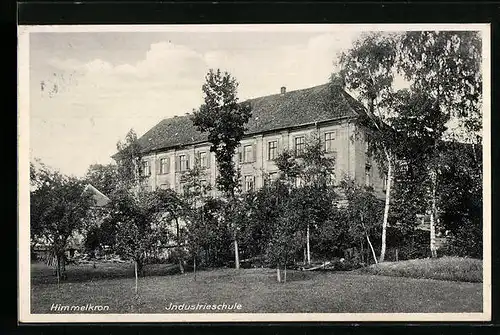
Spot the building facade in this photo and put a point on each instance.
(286, 120)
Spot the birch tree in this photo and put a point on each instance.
(446, 65)
(368, 69)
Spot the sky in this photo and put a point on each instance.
(111, 82)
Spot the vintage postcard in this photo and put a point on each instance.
(219, 173)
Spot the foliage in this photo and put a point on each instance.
(362, 210)
(444, 76)
(128, 161)
(286, 235)
(59, 208)
(209, 237)
(368, 67)
(461, 210)
(224, 119)
(103, 177)
(447, 66)
(141, 224)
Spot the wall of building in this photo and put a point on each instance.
(348, 147)
(375, 176)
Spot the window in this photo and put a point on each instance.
(164, 165)
(203, 159)
(146, 168)
(299, 145)
(183, 163)
(329, 141)
(248, 153)
(165, 186)
(272, 147)
(368, 176)
(249, 183)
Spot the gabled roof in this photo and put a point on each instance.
(278, 111)
(99, 198)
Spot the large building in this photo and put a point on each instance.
(286, 120)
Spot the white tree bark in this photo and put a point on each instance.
(236, 255)
(368, 239)
(308, 245)
(386, 207)
(136, 277)
(371, 247)
(433, 216)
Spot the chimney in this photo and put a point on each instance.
(283, 89)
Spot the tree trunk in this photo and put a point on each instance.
(308, 247)
(371, 247)
(386, 208)
(136, 275)
(362, 252)
(433, 216)
(181, 266)
(58, 268)
(368, 239)
(63, 267)
(236, 255)
(284, 274)
(278, 274)
(194, 267)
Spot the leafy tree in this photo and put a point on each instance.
(368, 68)
(317, 193)
(59, 208)
(443, 71)
(129, 162)
(362, 210)
(446, 65)
(286, 235)
(224, 119)
(259, 210)
(195, 194)
(141, 226)
(171, 207)
(461, 210)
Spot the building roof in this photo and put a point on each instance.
(278, 111)
(99, 198)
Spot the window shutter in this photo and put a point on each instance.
(187, 162)
(168, 166)
(158, 166)
(254, 152)
(177, 163)
(240, 154)
(198, 159)
(209, 158)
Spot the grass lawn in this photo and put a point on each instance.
(256, 290)
(445, 268)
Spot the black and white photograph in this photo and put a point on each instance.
(270, 172)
